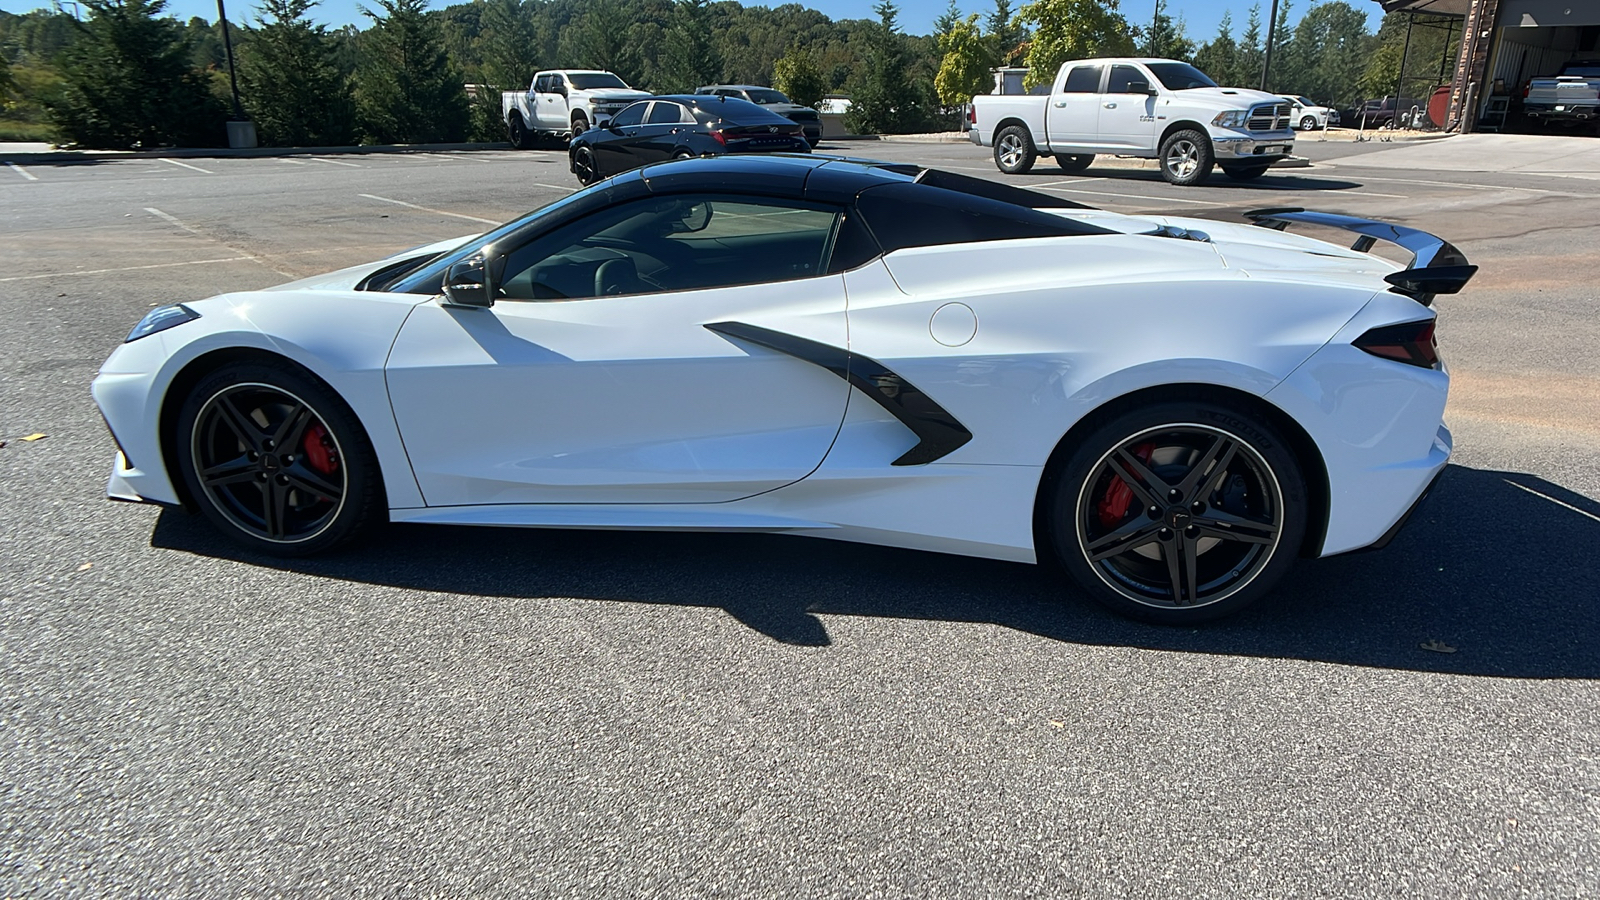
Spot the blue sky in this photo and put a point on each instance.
(916, 16)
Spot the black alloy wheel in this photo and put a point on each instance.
(276, 460)
(519, 133)
(1179, 514)
(1074, 162)
(583, 166)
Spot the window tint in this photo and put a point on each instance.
(663, 112)
(589, 81)
(1082, 80)
(742, 112)
(765, 96)
(676, 243)
(633, 115)
(541, 85)
(1121, 76)
(917, 215)
(1176, 76)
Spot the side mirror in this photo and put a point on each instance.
(467, 283)
(1141, 87)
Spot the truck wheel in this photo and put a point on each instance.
(1013, 150)
(1245, 173)
(580, 124)
(1186, 157)
(1074, 162)
(520, 139)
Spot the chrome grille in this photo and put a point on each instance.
(1269, 117)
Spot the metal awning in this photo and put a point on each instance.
(1438, 7)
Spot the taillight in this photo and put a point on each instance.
(1408, 342)
(720, 137)
(972, 113)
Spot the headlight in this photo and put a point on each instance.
(160, 319)
(1233, 118)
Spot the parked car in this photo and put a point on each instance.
(561, 104)
(1412, 113)
(1308, 115)
(1152, 108)
(1572, 95)
(774, 100)
(679, 127)
(672, 349)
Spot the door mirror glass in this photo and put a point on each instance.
(467, 283)
(1140, 87)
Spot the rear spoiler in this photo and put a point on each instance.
(1436, 267)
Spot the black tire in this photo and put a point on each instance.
(580, 124)
(1228, 542)
(814, 143)
(521, 138)
(1014, 152)
(1074, 162)
(683, 154)
(323, 490)
(585, 166)
(1186, 157)
(1245, 173)
(1309, 123)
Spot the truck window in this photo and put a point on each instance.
(1121, 76)
(541, 85)
(1082, 80)
(592, 81)
(1176, 76)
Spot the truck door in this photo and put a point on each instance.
(552, 102)
(1127, 117)
(1073, 118)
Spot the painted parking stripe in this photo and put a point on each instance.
(336, 162)
(437, 212)
(192, 262)
(187, 166)
(23, 172)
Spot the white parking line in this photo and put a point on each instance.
(23, 172)
(336, 162)
(187, 166)
(293, 162)
(553, 187)
(442, 156)
(192, 262)
(1581, 512)
(437, 212)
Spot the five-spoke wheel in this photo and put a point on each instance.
(1181, 513)
(583, 166)
(275, 459)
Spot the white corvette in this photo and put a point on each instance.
(1172, 409)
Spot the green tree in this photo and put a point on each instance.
(964, 69)
(1006, 33)
(599, 40)
(1218, 57)
(1331, 48)
(1072, 29)
(947, 20)
(1247, 63)
(797, 75)
(688, 58)
(407, 89)
(883, 99)
(289, 79)
(127, 81)
(8, 85)
(1167, 39)
(508, 44)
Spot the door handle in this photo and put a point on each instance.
(1061, 104)
(1111, 106)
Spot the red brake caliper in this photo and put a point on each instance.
(321, 454)
(1114, 503)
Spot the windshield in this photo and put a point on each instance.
(588, 81)
(1180, 76)
(766, 95)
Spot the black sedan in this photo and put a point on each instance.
(680, 127)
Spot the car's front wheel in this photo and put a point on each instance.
(1178, 513)
(583, 166)
(1014, 152)
(276, 460)
(1186, 157)
(1309, 123)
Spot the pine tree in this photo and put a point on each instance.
(1005, 33)
(1249, 58)
(508, 45)
(688, 58)
(1167, 39)
(949, 19)
(289, 80)
(128, 82)
(883, 100)
(797, 75)
(1219, 56)
(407, 89)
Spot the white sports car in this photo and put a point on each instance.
(1172, 409)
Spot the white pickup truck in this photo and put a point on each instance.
(1149, 108)
(563, 103)
(1571, 96)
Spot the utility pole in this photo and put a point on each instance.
(227, 45)
(1272, 32)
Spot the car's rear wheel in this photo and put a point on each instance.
(520, 138)
(1074, 162)
(276, 460)
(583, 166)
(1245, 173)
(683, 154)
(1178, 513)
(1309, 123)
(1014, 152)
(1186, 157)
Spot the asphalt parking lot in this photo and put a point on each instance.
(488, 712)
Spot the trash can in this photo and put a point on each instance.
(241, 134)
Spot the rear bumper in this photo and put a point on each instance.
(1421, 501)
(1562, 111)
(976, 137)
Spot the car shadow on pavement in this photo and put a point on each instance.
(1275, 180)
(1495, 575)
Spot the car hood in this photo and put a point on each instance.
(346, 279)
(1221, 98)
(614, 94)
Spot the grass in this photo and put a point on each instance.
(12, 130)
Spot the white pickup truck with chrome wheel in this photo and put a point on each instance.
(1159, 109)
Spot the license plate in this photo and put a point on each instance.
(1561, 109)
(1266, 150)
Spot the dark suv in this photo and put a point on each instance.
(774, 100)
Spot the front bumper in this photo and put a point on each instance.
(1265, 149)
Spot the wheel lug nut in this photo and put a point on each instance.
(288, 459)
(283, 479)
(1175, 495)
(1191, 531)
(1199, 507)
(1164, 533)
(1154, 512)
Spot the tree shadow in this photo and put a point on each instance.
(1497, 566)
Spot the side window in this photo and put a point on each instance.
(1121, 77)
(676, 243)
(633, 115)
(1082, 80)
(664, 113)
(541, 85)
